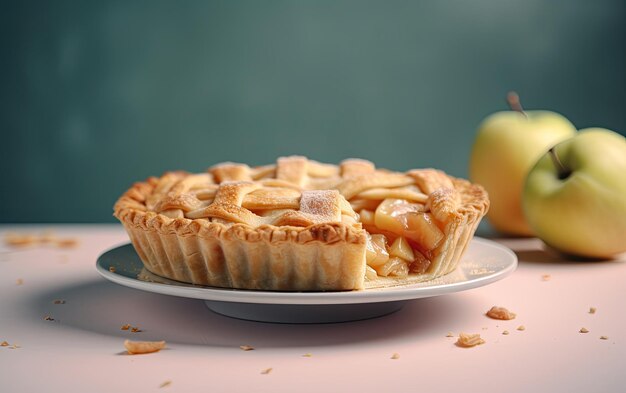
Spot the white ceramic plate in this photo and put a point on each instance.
(483, 263)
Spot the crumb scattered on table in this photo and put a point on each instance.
(112, 269)
(592, 310)
(505, 333)
(307, 355)
(66, 243)
(266, 371)
(48, 318)
(19, 240)
(450, 334)
(133, 329)
(246, 347)
(500, 313)
(19, 281)
(395, 356)
(58, 301)
(546, 277)
(141, 347)
(165, 384)
(583, 330)
(521, 328)
(28, 239)
(4, 344)
(604, 337)
(467, 340)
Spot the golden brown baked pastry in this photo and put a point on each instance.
(301, 225)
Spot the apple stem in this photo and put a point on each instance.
(562, 171)
(514, 103)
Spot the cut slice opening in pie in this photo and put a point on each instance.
(301, 225)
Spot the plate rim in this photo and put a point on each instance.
(389, 294)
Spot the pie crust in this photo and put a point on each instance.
(294, 226)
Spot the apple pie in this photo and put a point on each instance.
(302, 225)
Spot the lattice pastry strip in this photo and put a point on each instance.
(357, 184)
(354, 167)
(163, 187)
(231, 171)
(292, 169)
(409, 193)
(234, 201)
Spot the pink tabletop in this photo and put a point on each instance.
(62, 325)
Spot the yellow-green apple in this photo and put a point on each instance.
(575, 196)
(507, 145)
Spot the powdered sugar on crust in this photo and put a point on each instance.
(323, 204)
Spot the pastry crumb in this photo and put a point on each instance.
(112, 269)
(66, 243)
(58, 301)
(307, 355)
(23, 240)
(266, 371)
(604, 337)
(500, 313)
(450, 334)
(505, 333)
(165, 384)
(592, 310)
(141, 347)
(19, 240)
(480, 272)
(395, 356)
(6, 344)
(19, 281)
(125, 327)
(48, 318)
(135, 329)
(546, 277)
(583, 330)
(521, 328)
(246, 347)
(467, 340)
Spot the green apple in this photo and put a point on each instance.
(575, 196)
(507, 145)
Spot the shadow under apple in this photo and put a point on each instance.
(549, 255)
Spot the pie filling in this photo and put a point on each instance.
(401, 236)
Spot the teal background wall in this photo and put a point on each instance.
(96, 95)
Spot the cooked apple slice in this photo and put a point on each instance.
(359, 204)
(376, 251)
(390, 214)
(370, 273)
(409, 220)
(395, 266)
(422, 229)
(402, 249)
(367, 217)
